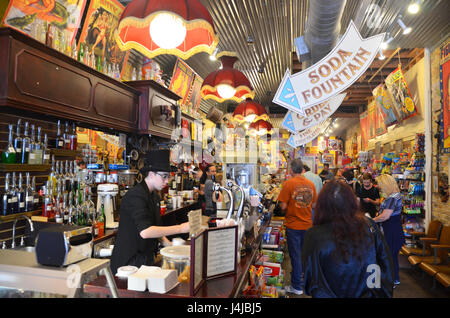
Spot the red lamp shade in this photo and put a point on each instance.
(261, 127)
(250, 111)
(227, 83)
(178, 27)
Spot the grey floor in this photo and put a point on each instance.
(413, 282)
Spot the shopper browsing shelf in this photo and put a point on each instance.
(390, 217)
(368, 196)
(140, 221)
(344, 251)
(298, 197)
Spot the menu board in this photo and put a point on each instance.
(197, 262)
(221, 254)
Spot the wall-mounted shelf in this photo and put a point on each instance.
(12, 217)
(4, 167)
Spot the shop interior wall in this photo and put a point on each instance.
(440, 209)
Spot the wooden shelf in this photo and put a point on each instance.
(64, 152)
(12, 217)
(4, 167)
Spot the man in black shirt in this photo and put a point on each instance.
(140, 220)
(369, 196)
(326, 174)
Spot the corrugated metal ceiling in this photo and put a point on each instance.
(272, 26)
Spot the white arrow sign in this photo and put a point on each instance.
(303, 137)
(315, 115)
(333, 74)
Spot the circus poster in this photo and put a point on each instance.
(445, 95)
(181, 80)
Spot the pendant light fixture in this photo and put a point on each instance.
(249, 111)
(177, 27)
(227, 83)
(261, 127)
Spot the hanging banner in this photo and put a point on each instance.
(384, 105)
(314, 115)
(401, 96)
(331, 75)
(303, 137)
(31, 18)
(371, 119)
(445, 96)
(181, 81)
(364, 130)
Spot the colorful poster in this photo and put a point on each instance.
(371, 120)
(97, 36)
(385, 106)
(364, 130)
(181, 80)
(445, 96)
(195, 97)
(31, 17)
(401, 96)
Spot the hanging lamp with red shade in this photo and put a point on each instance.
(261, 127)
(177, 27)
(249, 111)
(227, 83)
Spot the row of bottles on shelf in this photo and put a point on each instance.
(31, 150)
(19, 198)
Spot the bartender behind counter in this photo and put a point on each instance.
(140, 221)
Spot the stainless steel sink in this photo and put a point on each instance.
(29, 249)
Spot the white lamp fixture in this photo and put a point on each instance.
(406, 30)
(213, 57)
(385, 44)
(381, 55)
(414, 7)
(249, 118)
(167, 31)
(225, 91)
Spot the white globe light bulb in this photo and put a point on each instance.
(167, 31)
(226, 91)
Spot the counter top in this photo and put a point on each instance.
(224, 287)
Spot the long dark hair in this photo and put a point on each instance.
(337, 205)
(204, 176)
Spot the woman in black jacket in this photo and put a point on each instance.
(344, 254)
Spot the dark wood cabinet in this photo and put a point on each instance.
(37, 78)
(158, 110)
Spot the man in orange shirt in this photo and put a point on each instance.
(297, 196)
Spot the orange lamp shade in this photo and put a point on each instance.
(261, 127)
(227, 83)
(250, 111)
(178, 27)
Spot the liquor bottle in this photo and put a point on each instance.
(6, 198)
(59, 216)
(14, 198)
(9, 154)
(29, 198)
(18, 143)
(81, 53)
(65, 207)
(25, 145)
(93, 215)
(67, 178)
(20, 195)
(49, 37)
(37, 201)
(45, 151)
(66, 136)
(47, 206)
(101, 221)
(73, 138)
(32, 154)
(38, 148)
(70, 209)
(59, 142)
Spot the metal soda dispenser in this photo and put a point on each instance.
(106, 195)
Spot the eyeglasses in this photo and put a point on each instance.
(164, 176)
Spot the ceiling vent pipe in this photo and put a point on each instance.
(322, 27)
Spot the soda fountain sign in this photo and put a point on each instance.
(331, 75)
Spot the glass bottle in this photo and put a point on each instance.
(18, 143)
(73, 138)
(29, 199)
(14, 198)
(20, 195)
(59, 216)
(59, 142)
(25, 145)
(38, 148)
(32, 154)
(81, 53)
(9, 154)
(45, 151)
(66, 136)
(49, 37)
(74, 52)
(6, 197)
(37, 201)
(101, 220)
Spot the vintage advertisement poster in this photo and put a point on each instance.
(445, 96)
(181, 80)
(195, 97)
(398, 90)
(371, 119)
(33, 16)
(385, 107)
(97, 35)
(363, 118)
